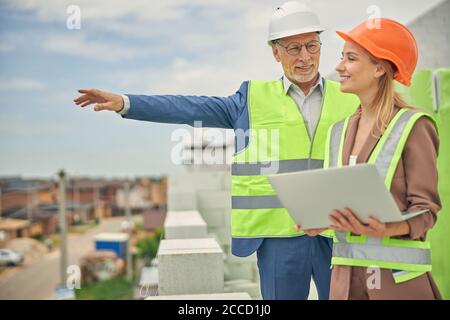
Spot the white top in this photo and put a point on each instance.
(189, 246)
(310, 105)
(112, 236)
(352, 160)
(184, 218)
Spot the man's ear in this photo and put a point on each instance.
(276, 53)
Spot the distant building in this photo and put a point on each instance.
(139, 198)
(13, 228)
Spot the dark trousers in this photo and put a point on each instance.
(286, 266)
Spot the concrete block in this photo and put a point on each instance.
(223, 247)
(182, 201)
(214, 199)
(214, 217)
(228, 218)
(210, 296)
(241, 267)
(190, 266)
(234, 259)
(222, 233)
(226, 248)
(240, 271)
(195, 181)
(251, 288)
(227, 181)
(210, 180)
(184, 225)
(180, 183)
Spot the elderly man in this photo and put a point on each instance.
(298, 109)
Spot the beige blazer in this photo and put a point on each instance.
(414, 187)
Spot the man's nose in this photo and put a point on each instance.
(304, 54)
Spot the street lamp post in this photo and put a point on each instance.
(128, 215)
(62, 226)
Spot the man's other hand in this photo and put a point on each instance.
(103, 100)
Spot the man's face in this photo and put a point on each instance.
(302, 67)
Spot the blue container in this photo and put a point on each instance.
(117, 242)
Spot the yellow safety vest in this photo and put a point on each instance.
(278, 143)
(407, 258)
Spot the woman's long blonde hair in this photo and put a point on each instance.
(386, 97)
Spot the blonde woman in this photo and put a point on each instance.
(384, 260)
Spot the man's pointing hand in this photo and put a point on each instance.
(103, 100)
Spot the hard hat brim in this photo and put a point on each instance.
(285, 34)
(345, 36)
(374, 52)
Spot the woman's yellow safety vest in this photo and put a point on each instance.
(278, 143)
(407, 258)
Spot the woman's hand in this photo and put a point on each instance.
(346, 220)
(310, 232)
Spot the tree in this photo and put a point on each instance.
(148, 247)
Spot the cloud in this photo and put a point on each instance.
(217, 75)
(6, 47)
(222, 60)
(78, 45)
(198, 47)
(24, 129)
(140, 11)
(137, 18)
(21, 84)
(11, 41)
(163, 30)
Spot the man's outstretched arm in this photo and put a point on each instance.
(221, 112)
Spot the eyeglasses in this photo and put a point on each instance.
(294, 48)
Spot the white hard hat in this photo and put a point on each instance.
(293, 18)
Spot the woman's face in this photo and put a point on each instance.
(357, 72)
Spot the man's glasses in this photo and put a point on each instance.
(294, 48)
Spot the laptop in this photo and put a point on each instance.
(310, 196)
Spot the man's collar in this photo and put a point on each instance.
(287, 84)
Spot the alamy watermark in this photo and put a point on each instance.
(373, 21)
(73, 280)
(373, 282)
(209, 147)
(73, 21)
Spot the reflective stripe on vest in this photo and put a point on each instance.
(406, 255)
(274, 167)
(278, 143)
(409, 258)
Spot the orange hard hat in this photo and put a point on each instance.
(388, 40)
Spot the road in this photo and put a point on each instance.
(39, 280)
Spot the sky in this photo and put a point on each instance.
(203, 47)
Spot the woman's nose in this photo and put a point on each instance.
(340, 66)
